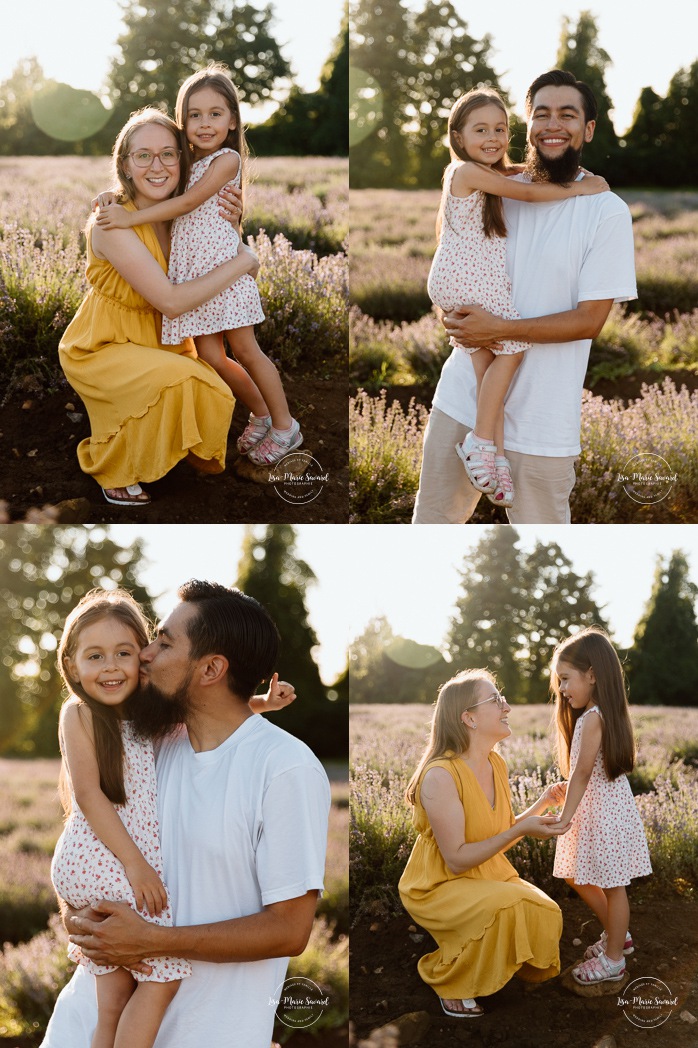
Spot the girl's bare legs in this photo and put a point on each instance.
(492, 389)
(245, 347)
(114, 990)
(144, 1013)
(617, 921)
(211, 349)
(595, 899)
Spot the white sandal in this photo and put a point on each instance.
(471, 1009)
(477, 457)
(131, 490)
(600, 946)
(274, 447)
(598, 970)
(254, 432)
(503, 494)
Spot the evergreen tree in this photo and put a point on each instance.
(580, 53)
(387, 668)
(646, 141)
(43, 573)
(681, 115)
(487, 630)
(165, 41)
(367, 681)
(271, 572)
(663, 660)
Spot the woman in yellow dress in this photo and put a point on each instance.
(487, 922)
(149, 405)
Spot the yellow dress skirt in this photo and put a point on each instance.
(487, 922)
(149, 405)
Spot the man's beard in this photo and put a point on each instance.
(558, 170)
(154, 714)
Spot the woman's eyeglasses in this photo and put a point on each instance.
(499, 699)
(144, 157)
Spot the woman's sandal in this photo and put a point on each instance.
(478, 460)
(471, 1009)
(274, 447)
(598, 970)
(600, 947)
(128, 496)
(503, 494)
(254, 433)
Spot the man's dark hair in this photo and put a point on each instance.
(230, 623)
(561, 78)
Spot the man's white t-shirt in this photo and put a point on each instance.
(558, 255)
(241, 826)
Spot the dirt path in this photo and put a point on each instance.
(38, 464)
(385, 985)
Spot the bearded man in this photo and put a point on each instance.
(568, 261)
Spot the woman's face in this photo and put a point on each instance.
(491, 718)
(158, 181)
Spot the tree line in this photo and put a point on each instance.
(162, 44)
(45, 570)
(514, 607)
(410, 66)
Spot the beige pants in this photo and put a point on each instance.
(542, 485)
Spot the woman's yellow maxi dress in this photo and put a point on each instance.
(149, 404)
(487, 922)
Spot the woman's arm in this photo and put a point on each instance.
(470, 176)
(81, 758)
(222, 170)
(131, 258)
(588, 750)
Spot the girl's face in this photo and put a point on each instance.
(157, 180)
(485, 134)
(106, 661)
(576, 686)
(208, 121)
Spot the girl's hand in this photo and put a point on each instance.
(280, 694)
(542, 827)
(147, 887)
(592, 184)
(252, 260)
(555, 794)
(103, 200)
(113, 216)
(230, 200)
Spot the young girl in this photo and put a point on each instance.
(469, 266)
(605, 844)
(110, 847)
(208, 112)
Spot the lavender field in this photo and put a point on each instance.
(386, 742)
(397, 344)
(33, 963)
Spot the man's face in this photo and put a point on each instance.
(557, 130)
(166, 663)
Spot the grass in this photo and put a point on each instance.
(386, 742)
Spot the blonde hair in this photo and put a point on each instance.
(95, 606)
(216, 75)
(591, 649)
(492, 211)
(448, 734)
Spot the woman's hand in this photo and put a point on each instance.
(542, 827)
(253, 261)
(279, 695)
(147, 887)
(230, 200)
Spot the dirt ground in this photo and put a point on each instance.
(385, 985)
(38, 465)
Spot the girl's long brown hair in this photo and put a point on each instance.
(492, 210)
(216, 75)
(449, 735)
(97, 605)
(591, 649)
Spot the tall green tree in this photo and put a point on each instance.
(580, 53)
(43, 573)
(663, 660)
(646, 141)
(388, 668)
(165, 41)
(681, 112)
(272, 573)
